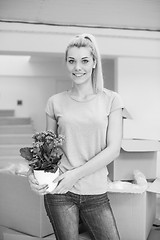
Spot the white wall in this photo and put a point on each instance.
(48, 39)
(33, 91)
(138, 54)
(31, 82)
(139, 85)
(108, 66)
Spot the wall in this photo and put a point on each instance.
(31, 82)
(139, 84)
(33, 91)
(137, 54)
(108, 66)
(26, 40)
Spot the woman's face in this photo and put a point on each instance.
(80, 64)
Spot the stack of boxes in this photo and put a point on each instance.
(135, 212)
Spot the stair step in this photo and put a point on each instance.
(11, 149)
(6, 112)
(11, 158)
(16, 129)
(14, 120)
(16, 139)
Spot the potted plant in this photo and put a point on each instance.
(44, 157)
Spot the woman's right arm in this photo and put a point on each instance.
(41, 189)
(51, 124)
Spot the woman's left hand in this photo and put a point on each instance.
(66, 181)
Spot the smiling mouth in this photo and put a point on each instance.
(78, 74)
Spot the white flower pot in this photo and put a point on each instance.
(46, 178)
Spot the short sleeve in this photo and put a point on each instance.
(117, 102)
(50, 108)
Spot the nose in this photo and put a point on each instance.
(77, 66)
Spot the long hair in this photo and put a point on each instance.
(88, 40)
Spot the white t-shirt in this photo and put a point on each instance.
(84, 125)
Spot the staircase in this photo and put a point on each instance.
(15, 133)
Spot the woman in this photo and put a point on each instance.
(90, 118)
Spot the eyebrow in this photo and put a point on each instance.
(82, 57)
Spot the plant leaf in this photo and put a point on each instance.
(27, 153)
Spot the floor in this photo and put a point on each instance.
(10, 235)
(154, 234)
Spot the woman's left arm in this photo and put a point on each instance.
(111, 152)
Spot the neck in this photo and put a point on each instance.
(82, 90)
(81, 93)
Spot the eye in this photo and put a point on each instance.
(71, 61)
(85, 61)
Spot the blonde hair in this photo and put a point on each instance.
(88, 40)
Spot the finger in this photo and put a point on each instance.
(30, 172)
(55, 191)
(32, 179)
(60, 189)
(40, 192)
(40, 189)
(59, 178)
(63, 191)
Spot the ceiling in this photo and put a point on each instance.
(121, 14)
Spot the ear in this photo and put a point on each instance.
(94, 64)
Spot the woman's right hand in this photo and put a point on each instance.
(39, 189)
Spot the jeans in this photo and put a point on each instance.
(65, 210)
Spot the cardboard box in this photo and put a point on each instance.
(1, 233)
(22, 209)
(134, 212)
(22, 212)
(135, 154)
(10, 234)
(138, 128)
